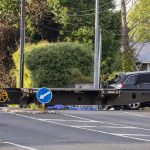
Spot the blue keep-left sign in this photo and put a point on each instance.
(44, 95)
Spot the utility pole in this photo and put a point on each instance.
(125, 36)
(97, 46)
(22, 43)
(100, 55)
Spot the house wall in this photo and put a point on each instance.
(148, 67)
(145, 67)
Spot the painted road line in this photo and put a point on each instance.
(112, 127)
(119, 127)
(120, 135)
(84, 126)
(134, 114)
(63, 120)
(92, 120)
(98, 131)
(116, 124)
(78, 117)
(17, 145)
(135, 134)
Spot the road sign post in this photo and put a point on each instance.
(44, 96)
(43, 108)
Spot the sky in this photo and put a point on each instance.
(128, 5)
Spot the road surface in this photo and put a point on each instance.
(75, 130)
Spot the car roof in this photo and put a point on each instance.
(136, 72)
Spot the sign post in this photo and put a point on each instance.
(44, 96)
(43, 107)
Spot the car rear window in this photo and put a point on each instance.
(143, 78)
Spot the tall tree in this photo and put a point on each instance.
(128, 56)
(9, 36)
(77, 19)
(139, 21)
(37, 20)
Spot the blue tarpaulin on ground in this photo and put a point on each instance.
(62, 107)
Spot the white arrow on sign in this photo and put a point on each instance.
(44, 95)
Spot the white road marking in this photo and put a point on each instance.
(116, 124)
(120, 135)
(75, 117)
(83, 126)
(134, 114)
(98, 131)
(63, 120)
(114, 127)
(125, 127)
(92, 120)
(25, 147)
(135, 134)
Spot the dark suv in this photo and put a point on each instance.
(131, 80)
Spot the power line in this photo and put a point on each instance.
(78, 23)
(137, 23)
(94, 8)
(133, 14)
(127, 2)
(141, 11)
(88, 14)
(77, 15)
(67, 31)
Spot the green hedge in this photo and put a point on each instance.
(55, 64)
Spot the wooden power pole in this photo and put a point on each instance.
(125, 36)
(22, 43)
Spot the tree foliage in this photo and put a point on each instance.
(62, 20)
(77, 20)
(139, 21)
(56, 65)
(129, 62)
(9, 10)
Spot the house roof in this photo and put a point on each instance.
(142, 52)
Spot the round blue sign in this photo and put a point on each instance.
(44, 95)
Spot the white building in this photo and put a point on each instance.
(142, 54)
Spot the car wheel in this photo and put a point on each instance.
(134, 106)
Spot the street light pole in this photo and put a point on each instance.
(22, 43)
(97, 56)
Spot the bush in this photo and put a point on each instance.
(34, 106)
(55, 64)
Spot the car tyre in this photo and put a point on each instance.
(134, 106)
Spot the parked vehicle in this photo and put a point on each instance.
(131, 80)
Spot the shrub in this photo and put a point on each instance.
(55, 64)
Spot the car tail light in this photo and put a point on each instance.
(119, 86)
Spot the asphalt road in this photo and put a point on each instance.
(75, 130)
